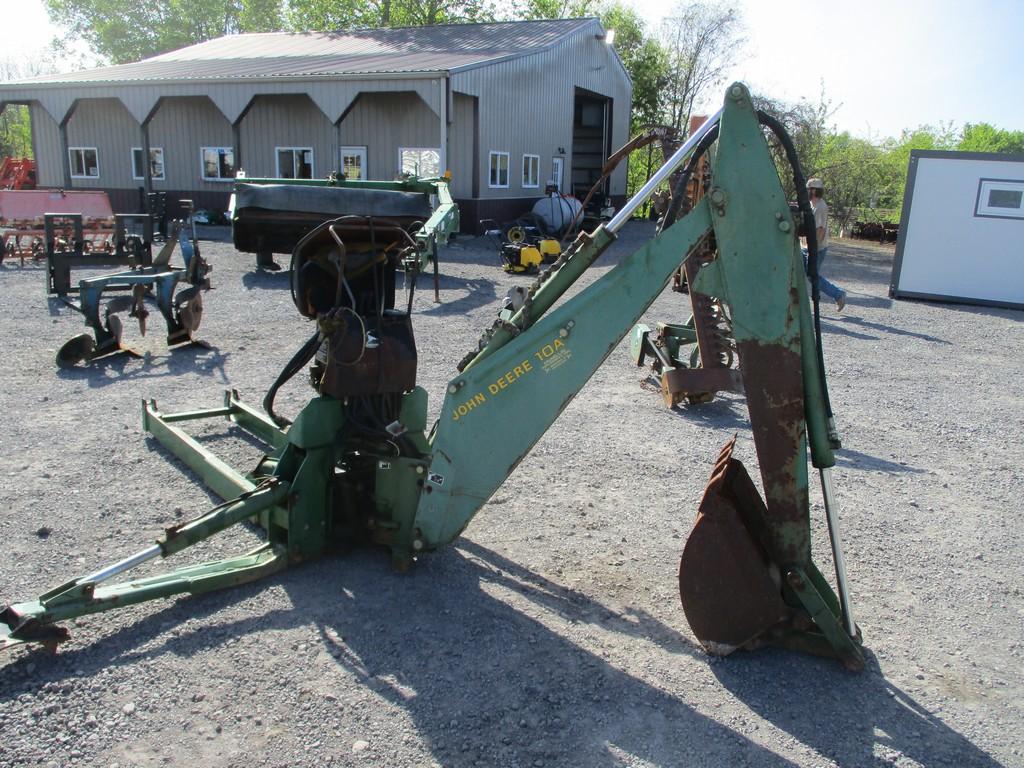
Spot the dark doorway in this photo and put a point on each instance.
(590, 137)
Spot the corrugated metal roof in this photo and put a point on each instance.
(438, 48)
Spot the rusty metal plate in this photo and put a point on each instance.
(728, 587)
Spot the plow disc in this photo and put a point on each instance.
(189, 306)
(83, 348)
(75, 350)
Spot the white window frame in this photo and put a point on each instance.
(153, 176)
(560, 162)
(354, 150)
(536, 172)
(982, 209)
(202, 163)
(401, 167)
(293, 150)
(84, 174)
(491, 168)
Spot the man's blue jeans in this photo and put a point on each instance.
(829, 289)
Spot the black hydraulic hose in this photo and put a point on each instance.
(296, 364)
(804, 203)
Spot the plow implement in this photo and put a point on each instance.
(147, 277)
(358, 464)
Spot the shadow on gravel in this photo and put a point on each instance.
(853, 719)
(967, 308)
(724, 412)
(574, 606)
(851, 458)
(863, 300)
(461, 645)
(194, 358)
(478, 292)
(480, 250)
(464, 649)
(846, 325)
(123, 645)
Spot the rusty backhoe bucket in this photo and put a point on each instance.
(730, 589)
(735, 595)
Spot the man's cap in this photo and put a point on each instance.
(815, 183)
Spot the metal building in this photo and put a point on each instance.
(505, 107)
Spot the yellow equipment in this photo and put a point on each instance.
(519, 255)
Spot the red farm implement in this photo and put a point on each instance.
(22, 232)
(17, 173)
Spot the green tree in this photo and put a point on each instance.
(855, 177)
(702, 40)
(807, 124)
(897, 160)
(15, 132)
(644, 58)
(127, 30)
(532, 10)
(15, 122)
(347, 14)
(982, 137)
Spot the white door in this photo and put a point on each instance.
(556, 172)
(353, 163)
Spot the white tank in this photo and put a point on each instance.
(557, 212)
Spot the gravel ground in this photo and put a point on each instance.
(551, 633)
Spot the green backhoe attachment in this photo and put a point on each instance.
(358, 464)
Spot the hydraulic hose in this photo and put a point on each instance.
(804, 204)
(679, 191)
(296, 364)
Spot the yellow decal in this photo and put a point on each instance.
(510, 378)
(463, 408)
(551, 356)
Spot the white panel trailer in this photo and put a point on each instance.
(962, 230)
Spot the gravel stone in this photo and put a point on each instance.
(538, 615)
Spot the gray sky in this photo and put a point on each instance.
(885, 65)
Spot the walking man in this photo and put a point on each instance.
(816, 191)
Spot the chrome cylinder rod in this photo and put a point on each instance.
(663, 173)
(832, 516)
(120, 567)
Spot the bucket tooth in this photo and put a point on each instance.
(730, 590)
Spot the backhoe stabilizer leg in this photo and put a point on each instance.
(35, 621)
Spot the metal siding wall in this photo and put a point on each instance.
(106, 125)
(333, 95)
(46, 146)
(526, 107)
(287, 121)
(460, 143)
(383, 122)
(182, 125)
